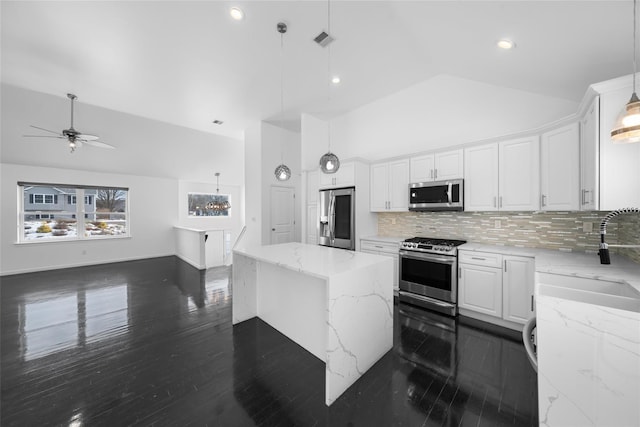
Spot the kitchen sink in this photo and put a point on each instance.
(619, 295)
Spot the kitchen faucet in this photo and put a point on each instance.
(604, 248)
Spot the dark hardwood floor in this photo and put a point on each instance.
(151, 343)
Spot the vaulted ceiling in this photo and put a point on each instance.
(189, 63)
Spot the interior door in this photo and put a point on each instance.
(282, 214)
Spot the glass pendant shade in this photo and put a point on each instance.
(329, 163)
(627, 126)
(282, 172)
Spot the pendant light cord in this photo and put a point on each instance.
(282, 97)
(634, 46)
(329, 73)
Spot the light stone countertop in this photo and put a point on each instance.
(384, 239)
(577, 264)
(315, 260)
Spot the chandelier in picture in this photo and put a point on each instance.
(218, 204)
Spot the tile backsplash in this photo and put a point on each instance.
(551, 230)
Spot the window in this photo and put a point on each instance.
(197, 204)
(43, 199)
(104, 213)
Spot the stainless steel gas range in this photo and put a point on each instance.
(429, 273)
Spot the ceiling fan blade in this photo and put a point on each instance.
(46, 130)
(97, 144)
(87, 137)
(44, 136)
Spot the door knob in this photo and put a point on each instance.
(273, 229)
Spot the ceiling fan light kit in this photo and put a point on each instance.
(627, 126)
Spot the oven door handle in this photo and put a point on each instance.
(440, 259)
(449, 193)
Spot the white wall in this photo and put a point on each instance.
(440, 112)
(253, 185)
(153, 210)
(314, 141)
(279, 145)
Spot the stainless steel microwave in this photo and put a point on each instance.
(437, 196)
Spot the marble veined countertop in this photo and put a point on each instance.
(385, 239)
(578, 264)
(319, 261)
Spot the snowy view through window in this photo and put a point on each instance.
(51, 212)
(198, 204)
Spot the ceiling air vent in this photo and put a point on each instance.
(323, 39)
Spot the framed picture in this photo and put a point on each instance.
(207, 205)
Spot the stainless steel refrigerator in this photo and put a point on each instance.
(337, 218)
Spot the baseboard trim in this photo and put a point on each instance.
(191, 262)
(80, 264)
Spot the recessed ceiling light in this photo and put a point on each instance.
(217, 122)
(236, 13)
(335, 80)
(506, 44)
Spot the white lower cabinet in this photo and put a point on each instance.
(386, 248)
(480, 289)
(518, 288)
(499, 287)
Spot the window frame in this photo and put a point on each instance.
(211, 196)
(80, 215)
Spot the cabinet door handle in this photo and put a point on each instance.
(431, 173)
(500, 201)
(494, 202)
(531, 302)
(436, 174)
(505, 265)
(459, 272)
(378, 246)
(543, 200)
(478, 258)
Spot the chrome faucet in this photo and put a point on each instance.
(604, 248)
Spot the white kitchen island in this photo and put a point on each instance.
(336, 304)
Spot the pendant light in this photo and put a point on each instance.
(329, 162)
(218, 205)
(627, 126)
(282, 172)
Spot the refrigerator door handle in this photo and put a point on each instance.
(332, 216)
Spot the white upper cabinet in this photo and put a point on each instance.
(560, 169)
(519, 176)
(481, 178)
(589, 164)
(422, 168)
(503, 176)
(379, 187)
(437, 167)
(345, 177)
(449, 165)
(390, 186)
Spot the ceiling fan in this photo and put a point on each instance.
(75, 138)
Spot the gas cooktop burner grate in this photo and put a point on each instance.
(430, 244)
